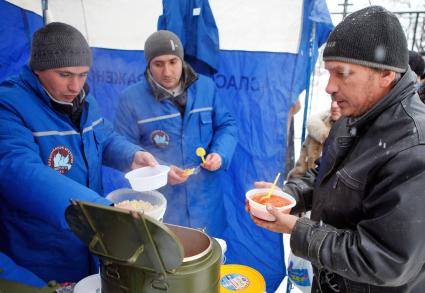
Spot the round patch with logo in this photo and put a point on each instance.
(60, 159)
(160, 138)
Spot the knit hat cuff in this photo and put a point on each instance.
(59, 45)
(53, 61)
(364, 63)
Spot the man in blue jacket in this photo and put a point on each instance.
(53, 142)
(171, 113)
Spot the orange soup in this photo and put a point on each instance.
(274, 200)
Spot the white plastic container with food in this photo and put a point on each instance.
(260, 211)
(151, 203)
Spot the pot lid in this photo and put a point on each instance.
(125, 237)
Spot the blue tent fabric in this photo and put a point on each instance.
(16, 28)
(319, 12)
(319, 27)
(193, 22)
(256, 87)
(113, 71)
(259, 89)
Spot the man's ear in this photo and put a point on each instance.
(387, 78)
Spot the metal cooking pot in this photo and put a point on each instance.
(139, 254)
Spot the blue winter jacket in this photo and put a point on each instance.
(44, 162)
(10, 271)
(159, 128)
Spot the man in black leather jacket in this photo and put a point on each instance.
(367, 227)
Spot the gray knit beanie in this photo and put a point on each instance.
(59, 45)
(371, 37)
(163, 43)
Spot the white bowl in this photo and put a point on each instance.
(90, 284)
(153, 197)
(259, 210)
(148, 178)
(223, 245)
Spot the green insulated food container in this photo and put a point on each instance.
(139, 254)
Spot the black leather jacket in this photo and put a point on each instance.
(367, 228)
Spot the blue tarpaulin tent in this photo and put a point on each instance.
(259, 54)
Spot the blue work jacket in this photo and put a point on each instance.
(10, 271)
(44, 162)
(172, 138)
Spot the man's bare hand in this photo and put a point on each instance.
(212, 162)
(176, 175)
(143, 159)
(284, 222)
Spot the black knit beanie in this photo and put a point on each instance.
(371, 37)
(59, 45)
(416, 63)
(163, 43)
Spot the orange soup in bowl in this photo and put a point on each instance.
(274, 200)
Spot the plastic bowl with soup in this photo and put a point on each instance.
(279, 199)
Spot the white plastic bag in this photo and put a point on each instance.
(300, 273)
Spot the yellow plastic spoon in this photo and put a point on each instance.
(188, 172)
(200, 152)
(192, 171)
(272, 188)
